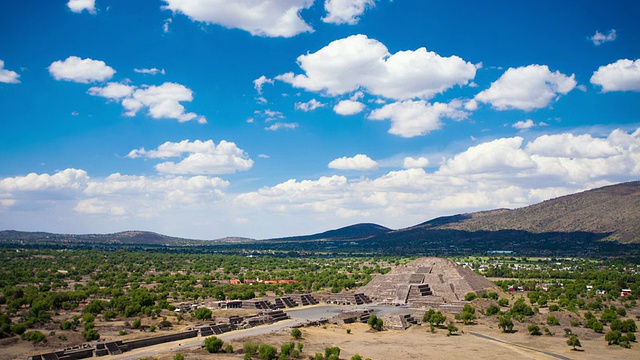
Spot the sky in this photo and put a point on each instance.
(268, 118)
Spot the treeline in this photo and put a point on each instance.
(36, 283)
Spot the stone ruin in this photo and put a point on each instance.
(426, 282)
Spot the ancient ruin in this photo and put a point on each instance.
(426, 282)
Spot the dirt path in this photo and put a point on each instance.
(517, 345)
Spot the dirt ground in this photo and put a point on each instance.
(415, 343)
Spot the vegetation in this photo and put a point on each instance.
(213, 344)
(574, 342)
(296, 333)
(375, 322)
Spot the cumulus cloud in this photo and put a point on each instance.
(69, 179)
(113, 91)
(259, 82)
(599, 38)
(198, 157)
(259, 17)
(622, 75)
(348, 107)
(412, 163)
(78, 6)
(161, 102)
(524, 124)
(152, 71)
(8, 76)
(411, 118)
(527, 88)
(359, 162)
(357, 62)
(345, 11)
(309, 105)
(80, 70)
(506, 172)
(281, 126)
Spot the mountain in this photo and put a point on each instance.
(352, 232)
(611, 210)
(121, 238)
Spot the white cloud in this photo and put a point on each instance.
(259, 82)
(599, 38)
(259, 17)
(345, 11)
(8, 76)
(69, 179)
(162, 102)
(622, 75)
(309, 105)
(78, 6)
(359, 162)
(572, 146)
(497, 156)
(412, 163)
(152, 71)
(527, 88)
(348, 107)
(270, 115)
(415, 118)
(113, 91)
(80, 70)
(524, 124)
(357, 62)
(281, 126)
(165, 25)
(198, 157)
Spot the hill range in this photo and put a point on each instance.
(589, 221)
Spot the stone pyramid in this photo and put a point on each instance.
(427, 282)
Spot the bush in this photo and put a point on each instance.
(573, 341)
(213, 344)
(90, 335)
(34, 336)
(328, 351)
(470, 296)
(136, 324)
(203, 314)
(503, 302)
(108, 315)
(356, 357)
(18, 329)
(505, 323)
(492, 310)
(552, 320)
(534, 329)
(267, 352)
(375, 323)
(178, 356)
(296, 333)
(228, 349)
(285, 349)
(451, 328)
(554, 307)
(66, 325)
(250, 348)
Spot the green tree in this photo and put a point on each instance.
(451, 328)
(505, 323)
(296, 333)
(552, 320)
(492, 310)
(267, 352)
(90, 335)
(329, 351)
(136, 324)
(534, 329)
(213, 344)
(203, 314)
(356, 357)
(178, 356)
(470, 296)
(437, 319)
(250, 348)
(613, 337)
(574, 341)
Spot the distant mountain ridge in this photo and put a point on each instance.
(606, 213)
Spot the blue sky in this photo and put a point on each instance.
(261, 118)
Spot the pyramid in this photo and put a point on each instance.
(428, 282)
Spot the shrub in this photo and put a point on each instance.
(375, 323)
(228, 349)
(296, 333)
(534, 329)
(492, 310)
(613, 337)
(178, 356)
(552, 320)
(356, 357)
(452, 328)
(203, 314)
(90, 335)
(250, 348)
(503, 302)
(574, 341)
(136, 324)
(34, 336)
(213, 344)
(505, 323)
(470, 296)
(554, 307)
(267, 352)
(66, 325)
(18, 329)
(328, 351)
